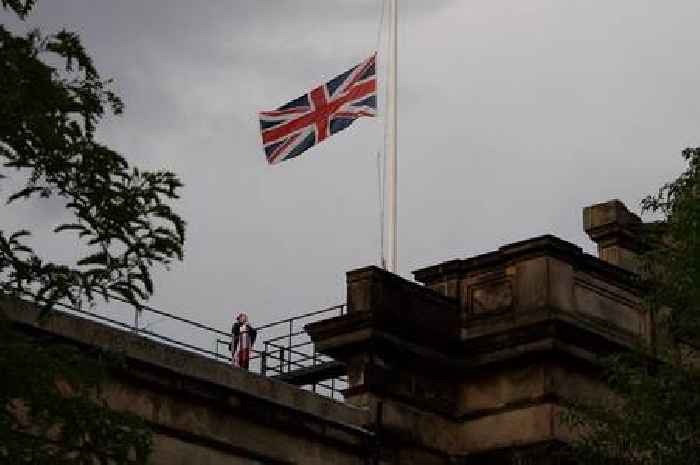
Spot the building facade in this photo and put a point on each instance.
(471, 364)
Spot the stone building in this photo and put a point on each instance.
(470, 364)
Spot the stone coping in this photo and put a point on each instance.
(546, 245)
(148, 352)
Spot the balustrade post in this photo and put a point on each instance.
(137, 313)
(289, 347)
(263, 361)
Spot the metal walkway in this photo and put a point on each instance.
(289, 355)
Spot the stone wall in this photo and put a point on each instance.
(471, 366)
(475, 365)
(205, 412)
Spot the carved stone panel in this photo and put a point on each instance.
(490, 296)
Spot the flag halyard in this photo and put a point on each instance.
(306, 121)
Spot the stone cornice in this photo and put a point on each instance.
(546, 245)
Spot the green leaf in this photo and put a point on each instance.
(99, 258)
(70, 226)
(24, 193)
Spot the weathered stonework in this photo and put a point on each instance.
(616, 230)
(475, 364)
(205, 412)
(471, 366)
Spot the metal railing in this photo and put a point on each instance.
(287, 348)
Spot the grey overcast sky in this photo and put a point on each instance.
(513, 116)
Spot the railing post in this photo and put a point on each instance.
(289, 347)
(263, 361)
(137, 312)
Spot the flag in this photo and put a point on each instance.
(305, 121)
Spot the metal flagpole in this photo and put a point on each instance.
(391, 120)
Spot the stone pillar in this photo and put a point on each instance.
(395, 341)
(616, 230)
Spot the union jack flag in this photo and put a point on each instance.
(305, 121)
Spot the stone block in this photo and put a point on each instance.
(616, 231)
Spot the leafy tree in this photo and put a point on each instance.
(54, 412)
(654, 416)
(48, 119)
(51, 408)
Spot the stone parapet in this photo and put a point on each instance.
(472, 365)
(616, 231)
(541, 273)
(204, 411)
(481, 358)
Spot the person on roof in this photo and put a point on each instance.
(242, 340)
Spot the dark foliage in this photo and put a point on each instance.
(122, 217)
(54, 410)
(52, 99)
(653, 417)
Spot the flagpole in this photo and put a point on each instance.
(391, 132)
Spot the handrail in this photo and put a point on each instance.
(296, 352)
(143, 331)
(282, 349)
(303, 316)
(286, 336)
(170, 315)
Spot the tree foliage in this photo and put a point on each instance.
(653, 417)
(54, 411)
(52, 99)
(48, 118)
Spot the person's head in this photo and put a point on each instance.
(242, 318)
